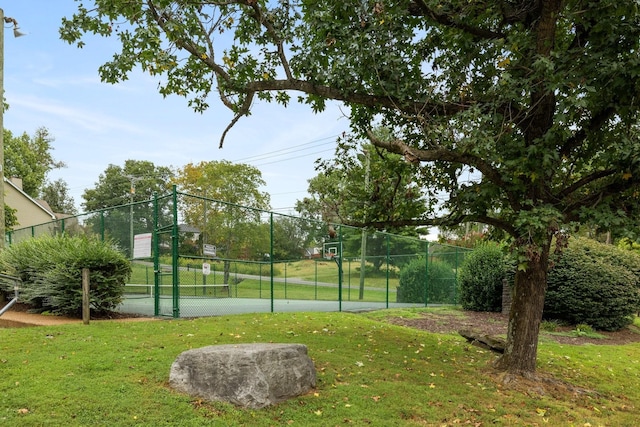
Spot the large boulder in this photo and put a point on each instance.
(248, 375)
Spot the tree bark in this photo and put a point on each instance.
(226, 272)
(519, 357)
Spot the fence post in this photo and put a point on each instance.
(388, 261)
(174, 255)
(455, 281)
(363, 253)
(426, 276)
(86, 311)
(102, 225)
(156, 257)
(340, 267)
(271, 254)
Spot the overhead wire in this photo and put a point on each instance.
(288, 151)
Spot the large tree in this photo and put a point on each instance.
(123, 198)
(56, 194)
(228, 207)
(367, 182)
(525, 113)
(30, 159)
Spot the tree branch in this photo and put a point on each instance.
(419, 8)
(444, 109)
(595, 198)
(186, 44)
(584, 181)
(447, 221)
(581, 134)
(242, 111)
(415, 155)
(262, 20)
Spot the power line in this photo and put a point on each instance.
(288, 150)
(293, 158)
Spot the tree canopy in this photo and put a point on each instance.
(56, 194)
(229, 207)
(30, 159)
(122, 199)
(118, 185)
(524, 114)
(367, 186)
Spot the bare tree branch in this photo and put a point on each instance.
(243, 111)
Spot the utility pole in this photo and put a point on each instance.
(16, 33)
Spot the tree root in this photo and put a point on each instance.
(539, 384)
(479, 339)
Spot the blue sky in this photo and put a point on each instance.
(51, 84)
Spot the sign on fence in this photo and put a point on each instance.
(142, 245)
(209, 249)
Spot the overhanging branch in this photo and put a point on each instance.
(444, 221)
(416, 155)
(583, 182)
(419, 8)
(443, 109)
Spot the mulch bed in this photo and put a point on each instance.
(495, 324)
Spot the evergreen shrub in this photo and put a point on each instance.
(51, 272)
(594, 284)
(439, 279)
(480, 278)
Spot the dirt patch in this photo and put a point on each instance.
(19, 315)
(496, 324)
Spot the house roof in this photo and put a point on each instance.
(46, 209)
(186, 228)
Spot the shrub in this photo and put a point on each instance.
(480, 278)
(51, 272)
(440, 283)
(591, 283)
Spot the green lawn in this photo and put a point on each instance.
(370, 373)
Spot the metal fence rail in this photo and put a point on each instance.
(193, 256)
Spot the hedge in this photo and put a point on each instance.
(51, 272)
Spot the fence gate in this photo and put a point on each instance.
(166, 292)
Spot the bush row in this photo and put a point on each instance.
(51, 272)
(589, 283)
(438, 276)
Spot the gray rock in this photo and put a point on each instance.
(247, 375)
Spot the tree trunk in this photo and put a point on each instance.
(521, 349)
(227, 271)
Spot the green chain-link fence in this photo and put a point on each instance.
(193, 256)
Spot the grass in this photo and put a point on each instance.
(369, 373)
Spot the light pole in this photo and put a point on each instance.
(16, 33)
